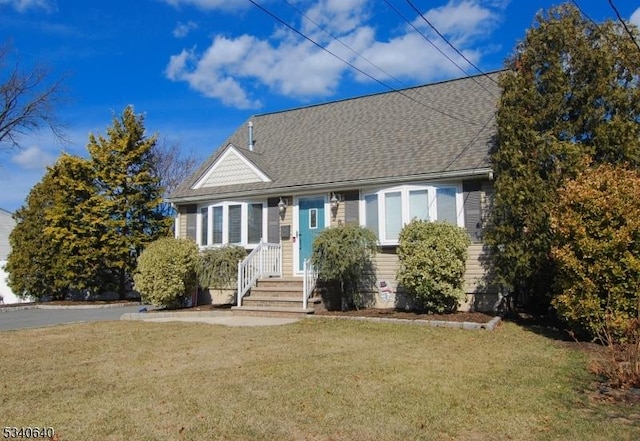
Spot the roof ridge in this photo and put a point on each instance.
(373, 94)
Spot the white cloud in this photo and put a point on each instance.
(292, 66)
(223, 5)
(635, 17)
(462, 20)
(24, 5)
(33, 158)
(182, 29)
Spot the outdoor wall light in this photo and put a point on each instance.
(282, 207)
(333, 203)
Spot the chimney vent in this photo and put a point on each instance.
(250, 136)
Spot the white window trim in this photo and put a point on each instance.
(244, 221)
(404, 195)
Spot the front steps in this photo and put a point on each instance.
(275, 297)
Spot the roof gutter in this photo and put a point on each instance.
(342, 185)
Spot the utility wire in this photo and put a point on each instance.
(440, 50)
(447, 41)
(358, 54)
(624, 24)
(278, 19)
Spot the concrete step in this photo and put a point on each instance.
(273, 301)
(276, 291)
(281, 281)
(265, 311)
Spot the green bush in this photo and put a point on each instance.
(432, 261)
(166, 272)
(343, 257)
(596, 248)
(218, 267)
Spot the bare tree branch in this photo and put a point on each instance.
(28, 101)
(172, 166)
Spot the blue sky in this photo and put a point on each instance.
(199, 68)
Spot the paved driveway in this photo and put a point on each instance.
(11, 319)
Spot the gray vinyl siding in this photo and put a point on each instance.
(6, 225)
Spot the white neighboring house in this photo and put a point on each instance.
(6, 225)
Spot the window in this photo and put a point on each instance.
(237, 223)
(204, 236)
(371, 213)
(255, 223)
(446, 204)
(387, 211)
(392, 215)
(418, 204)
(313, 218)
(217, 226)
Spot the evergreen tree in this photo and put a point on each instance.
(128, 194)
(73, 224)
(571, 92)
(38, 264)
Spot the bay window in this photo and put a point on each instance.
(386, 211)
(238, 223)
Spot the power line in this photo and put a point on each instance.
(440, 50)
(446, 40)
(278, 19)
(358, 54)
(624, 24)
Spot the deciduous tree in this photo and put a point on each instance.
(28, 100)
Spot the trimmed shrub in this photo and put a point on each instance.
(343, 257)
(596, 226)
(166, 272)
(218, 267)
(432, 261)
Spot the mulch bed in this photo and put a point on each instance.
(474, 317)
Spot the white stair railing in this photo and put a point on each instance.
(309, 281)
(265, 260)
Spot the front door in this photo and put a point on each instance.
(311, 223)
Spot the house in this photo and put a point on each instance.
(6, 225)
(377, 160)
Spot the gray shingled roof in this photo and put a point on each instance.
(425, 132)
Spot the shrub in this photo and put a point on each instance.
(166, 272)
(218, 267)
(596, 226)
(343, 256)
(432, 261)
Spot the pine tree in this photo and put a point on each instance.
(571, 92)
(44, 246)
(128, 194)
(73, 225)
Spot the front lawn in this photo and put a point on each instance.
(318, 379)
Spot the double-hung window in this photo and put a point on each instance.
(239, 223)
(386, 211)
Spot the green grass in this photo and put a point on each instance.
(313, 380)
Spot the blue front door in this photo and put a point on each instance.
(311, 223)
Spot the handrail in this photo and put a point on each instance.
(264, 260)
(309, 281)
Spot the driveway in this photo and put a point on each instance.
(22, 318)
